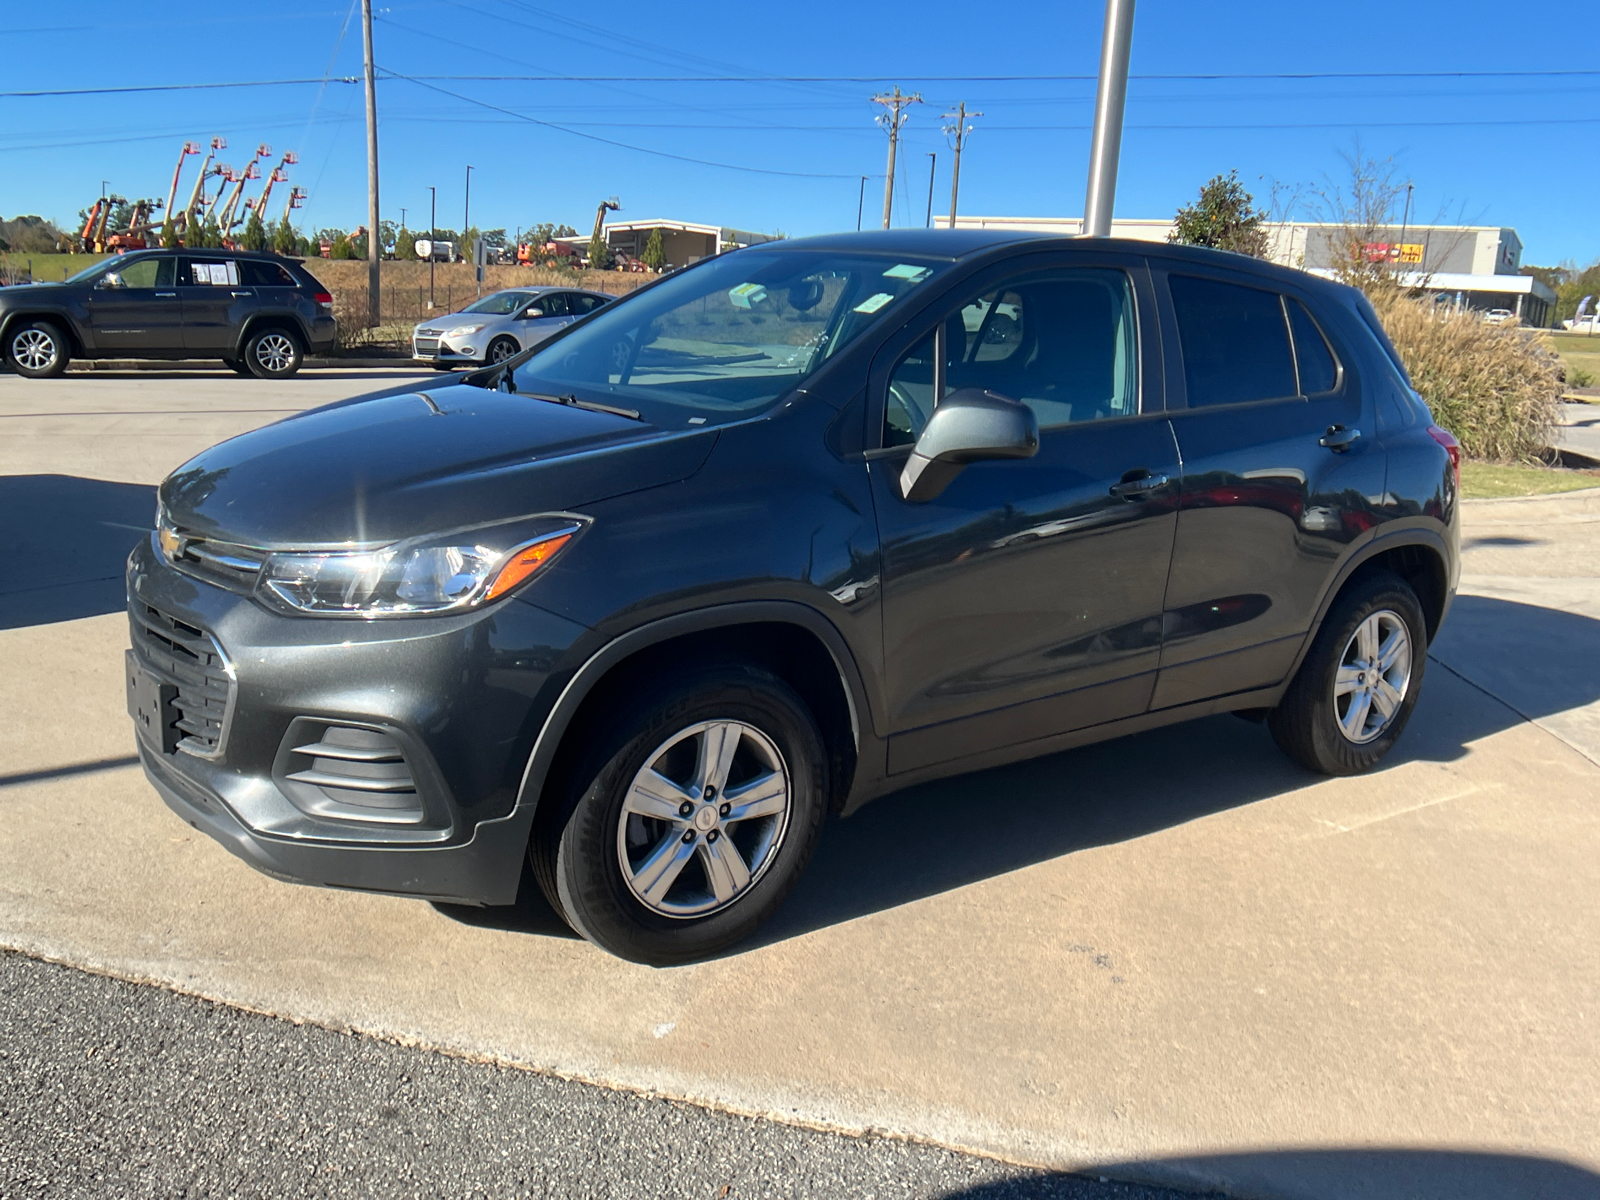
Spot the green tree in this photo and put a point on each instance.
(342, 248)
(284, 239)
(655, 254)
(169, 235)
(599, 253)
(1224, 218)
(405, 244)
(210, 234)
(254, 236)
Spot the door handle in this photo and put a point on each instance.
(1140, 485)
(1338, 438)
(244, 293)
(167, 295)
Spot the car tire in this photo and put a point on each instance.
(238, 367)
(635, 800)
(501, 349)
(1343, 711)
(37, 349)
(273, 353)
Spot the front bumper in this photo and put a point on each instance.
(456, 349)
(458, 700)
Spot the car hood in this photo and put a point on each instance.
(387, 467)
(456, 320)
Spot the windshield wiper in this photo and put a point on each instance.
(572, 401)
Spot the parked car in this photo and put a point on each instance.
(500, 325)
(258, 313)
(1499, 316)
(778, 534)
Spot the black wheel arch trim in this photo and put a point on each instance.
(750, 612)
(289, 322)
(62, 321)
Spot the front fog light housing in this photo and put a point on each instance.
(423, 576)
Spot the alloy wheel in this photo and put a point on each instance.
(703, 818)
(34, 349)
(1373, 677)
(275, 352)
(501, 351)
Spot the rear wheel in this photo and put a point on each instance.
(272, 354)
(689, 818)
(37, 349)
(1355, 691)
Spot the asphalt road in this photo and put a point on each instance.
(114, 1088)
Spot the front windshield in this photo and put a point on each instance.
(501, 304)
(730, 336)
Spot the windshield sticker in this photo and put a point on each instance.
(747, 294)
(907, 271)
(873, 303)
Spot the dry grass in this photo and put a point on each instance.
(1496, 387)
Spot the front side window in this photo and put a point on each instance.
(728, 337)
(1064, 343)
(147, 273)
(500, 304)
(1235, 342)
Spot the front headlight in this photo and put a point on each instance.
(468, 329)
(438, 574)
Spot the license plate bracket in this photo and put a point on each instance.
(150, 705)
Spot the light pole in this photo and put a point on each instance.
(860, 202)
(374, 235)
(933, 161)
(1110, 98)
(433, 232)
(466, 213)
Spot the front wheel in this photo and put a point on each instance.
(501, 349)
(689, 819)
(1355, 691)
(37, 350)
(272, 354)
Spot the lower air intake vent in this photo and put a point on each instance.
(349, 773)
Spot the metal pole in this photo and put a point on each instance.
(466, 212)
(861, 202)
(888, 179)
(374, 238)
(1110, 99)
(433, 232)
(933, 161)
(1405, 221)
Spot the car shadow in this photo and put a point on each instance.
(1374, 1173)
(64, 544)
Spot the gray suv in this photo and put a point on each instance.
(258, 313)
(775, 535)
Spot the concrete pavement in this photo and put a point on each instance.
(1175, 958)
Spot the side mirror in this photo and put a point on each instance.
(968, 425)
(110, 280)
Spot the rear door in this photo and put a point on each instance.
(139, 311)
(274, 287)
(1282, 472)
(216, 304)
(1026, 599)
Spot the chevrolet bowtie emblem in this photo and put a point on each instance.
(171, 542)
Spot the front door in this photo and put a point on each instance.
(135, 307)
(543, 316)
(1026, 599)
(216, 303)
(1282, 471)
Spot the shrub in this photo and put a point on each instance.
(1496, 387)
(1225, 217)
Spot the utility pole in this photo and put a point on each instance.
(433, 232)
(1110, 99)
(402, 218)
(892, 119)
(466, 211)
(374, 238)
(861, 201)
(1405, 220)
(957, 134)
(933, 162)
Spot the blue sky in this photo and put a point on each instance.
(1521, 150)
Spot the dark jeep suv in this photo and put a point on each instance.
(777, 534)
(258, 313)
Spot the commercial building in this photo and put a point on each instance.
(1476, 267)
(684, 242)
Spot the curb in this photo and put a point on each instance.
(89, 366)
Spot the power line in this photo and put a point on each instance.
(702, 162)
(178, 87)
(1219, 75)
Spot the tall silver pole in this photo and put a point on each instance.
(374, 237)
(1110, 99)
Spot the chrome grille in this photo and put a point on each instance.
(188, 659)
(424, 347)
(234, 566)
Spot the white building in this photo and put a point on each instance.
(1470, 266)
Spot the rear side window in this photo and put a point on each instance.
(209, 272)
(1318, 370)
(264, 274)
(582, 304)
(1235, 342)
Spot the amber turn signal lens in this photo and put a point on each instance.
(524, 562)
